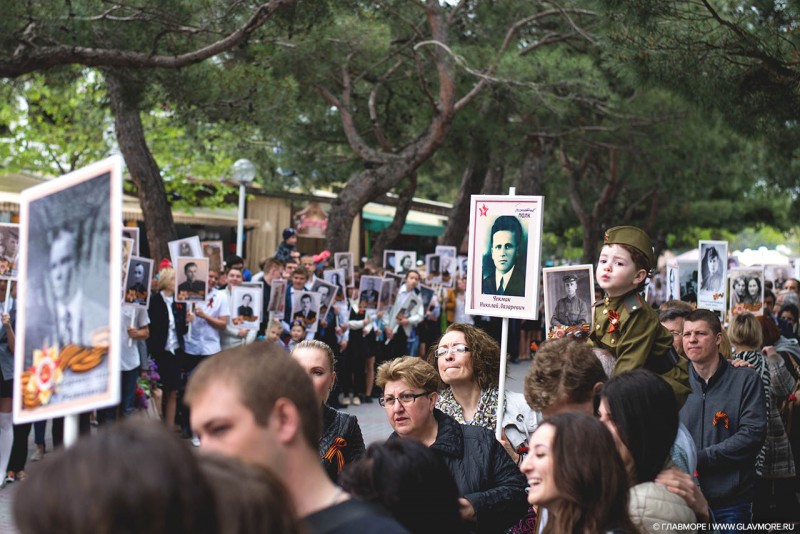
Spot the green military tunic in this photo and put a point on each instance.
(636, 337)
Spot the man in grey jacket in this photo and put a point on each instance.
(726, 416)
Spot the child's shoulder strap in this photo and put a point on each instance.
(634, 302)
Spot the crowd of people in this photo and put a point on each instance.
(662, 420)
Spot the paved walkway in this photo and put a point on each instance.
(371, 417)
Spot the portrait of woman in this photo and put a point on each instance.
(739, 291)
(405, 264)
(754, 291)
(711, 269)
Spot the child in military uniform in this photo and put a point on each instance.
(625, 324)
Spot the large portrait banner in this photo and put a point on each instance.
(504, 256)
(712, 275)
(67, 357)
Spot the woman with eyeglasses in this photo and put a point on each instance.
(492, 489)
(468, 362)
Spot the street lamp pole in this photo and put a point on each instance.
(244, 172)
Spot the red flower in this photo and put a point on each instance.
(613, 321)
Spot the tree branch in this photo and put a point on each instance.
(28, 57)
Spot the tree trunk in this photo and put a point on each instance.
(471, 183)
(391, 232)
(530, 180)
(493, 181)
(142, 167)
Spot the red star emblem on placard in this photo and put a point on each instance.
(483, 211)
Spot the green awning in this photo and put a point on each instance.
(374, 222)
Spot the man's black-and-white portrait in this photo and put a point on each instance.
(687, 278)
(305, 307)
(369, 292)
(389, 260)
(327, 293)
(568, 293)
(137, 289)
(9, 250)
(387, 294)
(191, 276)
(213, 251)
(70, 284)
(188, 247)
(344, 261)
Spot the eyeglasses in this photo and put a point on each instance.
(444, 351)
(404, 398)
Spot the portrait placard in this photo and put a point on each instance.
(687, 275)
(9, 251)
(405, 260)
(369, 292)
(127, 252)
(426, 294)
(747, 290)
(337, 278)
(504, 256)
(673, 282)
(305, 307)
(712, 271)
(277, 298)
(778, 275)
(132, 232)
(191, 279)
(344, 261)
(327, 294)
(188, 247)
(388, 260)
(568, 298)
(433, 271)
(67, 357)
(397, 282)
(213, 251)
(388, 294)
(137, 286)
(247, 305)
(445, 250)
(463, 263)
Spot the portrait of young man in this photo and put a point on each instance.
(507, 275)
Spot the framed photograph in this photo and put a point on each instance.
(687, 276)
(327, 294)
(213, 251)
(388, 260)
(405, 260)
(445, 250)
(9, 251)
(449, 266)
(277, 298)
(568, 297)
(747, 290)
(369, 292)
(426, 294)
(188, 247)
(137, 285)
(344, 261)
(433, 271)
(397, 282)
(337, 278)
(505, 236)
(712, 271)
(305, 307)
(132, 232)
(778, 275)
(412, 300)
(191, 278)
(673, 282)
(67, 357)
(127, 252)
(463, 263)
(388, 294)
(247, 304)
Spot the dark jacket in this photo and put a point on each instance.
(515, 287)
(484, 473)
(159, 323)
(349, 448)
(727, 419)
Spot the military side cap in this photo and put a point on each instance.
(570, 278)
(633, 237)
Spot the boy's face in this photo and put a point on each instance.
(616, 273)
(297, 333)
(292, 241)
(274, 333)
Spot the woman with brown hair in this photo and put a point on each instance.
(586, 494)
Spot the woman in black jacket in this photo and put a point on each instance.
(165, 344)
(341, 441)
(491, 486)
